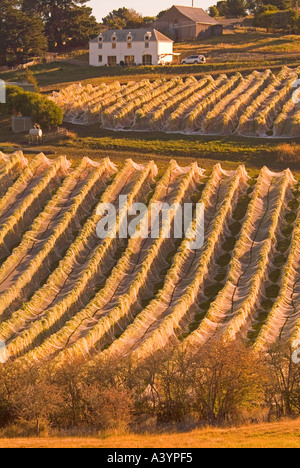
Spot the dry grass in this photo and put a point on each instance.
(241, 43)
(284, 434)
(288, 153)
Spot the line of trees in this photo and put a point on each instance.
(217, 385)
(275, 14)
(273, 18)
(31, 27)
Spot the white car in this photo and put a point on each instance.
(194, 59)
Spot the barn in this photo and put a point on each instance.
(188, 23)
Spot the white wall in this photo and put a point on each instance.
(138, 50)
(163, 49)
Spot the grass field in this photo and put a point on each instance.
(143, 146)
(241, 43)
(285, 434)
(55, 76)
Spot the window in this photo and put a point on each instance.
(147, 59)
(147, 45)
(129, 59)
(112, 60)
(100, 45)
(129, 45)
(114, 41)
(100, 58)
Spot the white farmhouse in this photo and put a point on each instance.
(135, 46)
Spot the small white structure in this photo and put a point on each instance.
(21, 124)
(2, 92)
(35, 135)
(131, 47)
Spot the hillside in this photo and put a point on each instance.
(64, 292)
(258, 105)
(240, 50)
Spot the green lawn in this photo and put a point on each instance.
(223, 148)
(97, 143)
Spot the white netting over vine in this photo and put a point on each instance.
(260, 104)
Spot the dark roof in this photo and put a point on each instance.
(137, 35)
(198, 15)
(161, 37)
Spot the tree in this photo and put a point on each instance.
(106, 408)
(213, 11)
(124, 18)
(237, 8)
(264, 8)
(46, 113)
(148, 21)
(11, 92)
(94, 396)
(280, 4)
(218, 382)
(228, 379)
(41, 109)
(270, 17)
(82, 25)
(133, 19)
(64, 19)
(284, 391)
(28, 76)
(241, 8)
(222, 8)
(161, 13)
(21, 35)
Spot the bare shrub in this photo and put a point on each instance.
(116, 409)
(284, 390)
(71, 135)
(24, 428)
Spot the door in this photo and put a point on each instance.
(147, 59)
(112, 60)
(129, 60)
